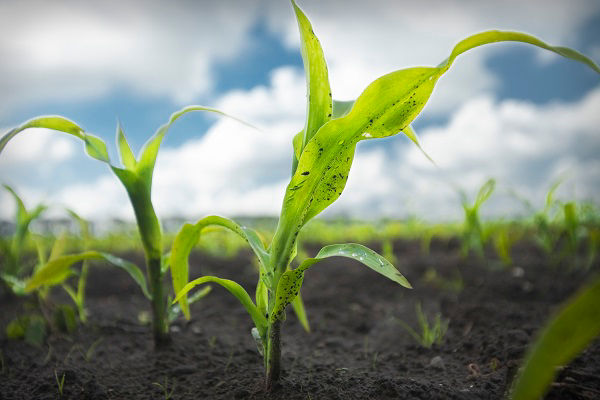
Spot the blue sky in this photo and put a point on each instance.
(508, 111)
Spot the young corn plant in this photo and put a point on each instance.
(323, 155)
(136, 177)
(13, 265)
(473, 232)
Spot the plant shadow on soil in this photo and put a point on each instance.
(357, 348)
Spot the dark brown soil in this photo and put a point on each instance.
(357, 348)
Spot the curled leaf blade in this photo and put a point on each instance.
(189, 235)
(291, 281)
(235, 289)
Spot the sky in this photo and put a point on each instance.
(512, 112)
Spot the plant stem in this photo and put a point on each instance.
(273, 356)
(160, 326)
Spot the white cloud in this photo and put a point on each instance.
(35, 145)
(78, 50)
(235, 170)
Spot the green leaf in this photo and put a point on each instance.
(318, 92)
(49, 122)
(149, 152)
(127, 157)
(385, 108)
(234, 288)
(57, 270)
(96, 148)
(485, 192)
(291, 281)
(566, 335)
(494, 36)
(59, 246)
(189, 235)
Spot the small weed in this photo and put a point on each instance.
(431, 333)
(60, 383)
(165, 389)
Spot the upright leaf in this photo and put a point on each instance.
(318, 92)
(127, 157)
(385, 108)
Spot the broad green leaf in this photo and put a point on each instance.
(127, 157)
(57, 270)
(257, 317)
(189, 235)
(291, 281)
(49, 122)
(318, 92)
(96, 148)
(385, 108)
(566, 335)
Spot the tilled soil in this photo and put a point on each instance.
(357, 348)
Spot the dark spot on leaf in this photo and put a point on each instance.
(305, 173)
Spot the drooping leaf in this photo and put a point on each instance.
(494, 36)
(57, 270)
(49, 122)
(291, 281)
(318, 92)
(566, 335)
(238, 291)
(189, 235)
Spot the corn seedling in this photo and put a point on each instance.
(323, 154)
(78, 295)
(136, 177)
(566, 335)
(430, 332)
(13, 266)
(473, 232)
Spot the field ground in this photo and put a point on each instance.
(357, 349)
